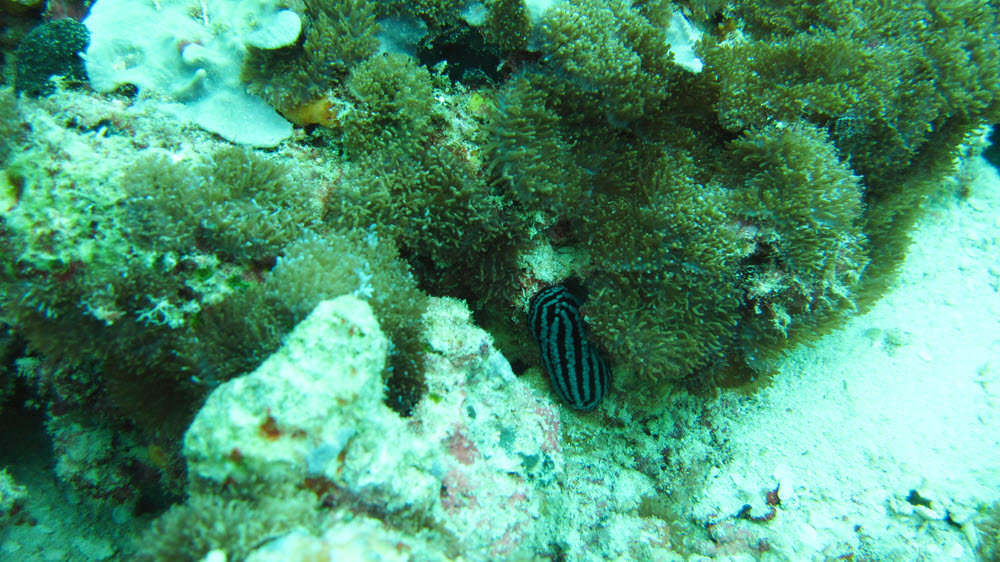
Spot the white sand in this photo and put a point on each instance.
(905, 397)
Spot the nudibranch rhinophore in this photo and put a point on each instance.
(579, 373)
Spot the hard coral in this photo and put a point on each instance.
(51, 49)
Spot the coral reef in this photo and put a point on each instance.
(92, 290)
(97, 461)
(348, 537)
(51, 49)
(235, 204)
(897, 89)
(336, 35)
(611, 51)
(164, 269)
(457, 462)
(192, 56)
(12, 498)
(316, 268)
(726, 215)
(508, 25)
(392, 104)
(203, 524)
(718, 197)
(11, 133)
(988, 526)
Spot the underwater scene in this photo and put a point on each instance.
(490, 280)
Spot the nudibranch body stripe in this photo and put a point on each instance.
(579, 374)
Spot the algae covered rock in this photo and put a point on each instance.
(476, 471)
(313, 410)
(12, 498)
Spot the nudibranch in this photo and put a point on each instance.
(579, 373)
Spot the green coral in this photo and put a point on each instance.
(786, 18)
(455, 233)
(126, 278)
(436, 13)
(189, 531)
(817, 76)
(430, 199)
(51, 49)
(336, 35)
(664, 299)
(392, 98)
(728, 215)
(612, 59)
(806, 210)
(316, 268)
(235, 204)
(507, 24)
(715, 218)
(988, 526)
(529, 153)
(898, 89)
(10, 123)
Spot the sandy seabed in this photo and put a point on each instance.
(889, 429)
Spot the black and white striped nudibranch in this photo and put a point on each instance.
(580, 375)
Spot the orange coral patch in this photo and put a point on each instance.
(320, 111)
